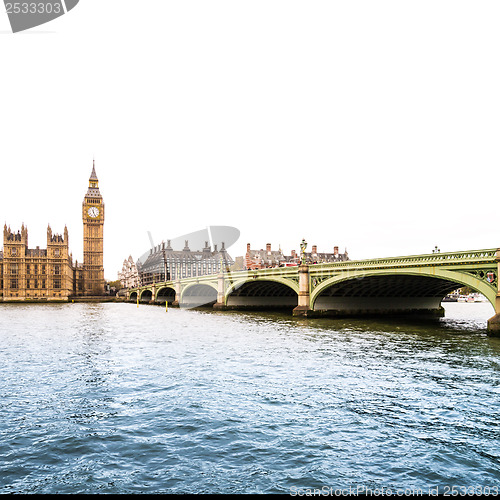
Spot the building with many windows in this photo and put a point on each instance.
(262, 259)
(37, 273)
(315, 257)
(165, 263)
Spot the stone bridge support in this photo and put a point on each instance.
(304, 305)
(177, 287)
(494, 322)
(221, 298)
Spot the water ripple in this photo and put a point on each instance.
(109, 398)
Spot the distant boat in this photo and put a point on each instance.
(479, 297)
(451, 297)
(472, 297)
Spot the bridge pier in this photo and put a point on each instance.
(304, 301)
(220, 305)
(177, 286)
(494, 322)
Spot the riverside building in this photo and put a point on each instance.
(166, 263)
(268, 258)
(129, 276)
(49, 274)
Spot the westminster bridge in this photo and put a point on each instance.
(393, 286)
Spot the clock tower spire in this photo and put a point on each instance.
(93, 223)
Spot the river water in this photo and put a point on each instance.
(111, 398)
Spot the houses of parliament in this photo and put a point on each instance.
(49, 274)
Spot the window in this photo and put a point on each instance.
(57, 269)
(57, 284)
(14, 284)
(43, 269)
(43, 283)
(14, 269)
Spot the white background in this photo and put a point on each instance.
(371, 125)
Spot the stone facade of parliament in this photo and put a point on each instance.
(49, 274)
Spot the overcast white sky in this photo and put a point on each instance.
(371, 125)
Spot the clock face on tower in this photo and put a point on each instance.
(93, 212)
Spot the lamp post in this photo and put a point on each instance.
(303, 246)
(303, 304)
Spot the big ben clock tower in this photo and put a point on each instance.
(93, 222)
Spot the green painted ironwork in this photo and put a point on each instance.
(473, 268)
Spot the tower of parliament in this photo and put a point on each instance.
(49, 274)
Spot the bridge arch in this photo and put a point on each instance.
(133, 296)
(146, 295)
(408, 289)
(165, 294)
(198, 294)
(268, 292)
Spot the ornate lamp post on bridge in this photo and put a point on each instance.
(304, 303)
(303, 246)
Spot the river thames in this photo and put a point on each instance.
(111, 398)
